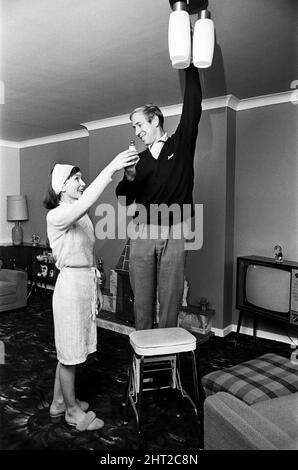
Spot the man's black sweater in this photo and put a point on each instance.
(169, 179)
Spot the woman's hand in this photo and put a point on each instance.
(122, 160)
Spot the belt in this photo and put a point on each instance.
(78, 267)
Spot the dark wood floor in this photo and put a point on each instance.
(26, 381)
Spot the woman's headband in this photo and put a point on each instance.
(60, 174)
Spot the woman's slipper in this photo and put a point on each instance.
(56, 414)
(89, 422)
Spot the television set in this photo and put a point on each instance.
(267, 288)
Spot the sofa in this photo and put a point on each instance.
(232, 424)
(13, 289)
(252, 405)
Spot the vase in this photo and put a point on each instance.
(102, 273)
(17, 233)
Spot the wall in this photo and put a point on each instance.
(266, 183)
(36, 164)
(245, 176)
(209, 269)
(230, 218)
(9, 185)
(105, 144)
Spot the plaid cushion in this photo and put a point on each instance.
(268, 376)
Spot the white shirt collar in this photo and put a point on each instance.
(156, 147)
(163, 139)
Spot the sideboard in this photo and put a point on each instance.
(36, 260)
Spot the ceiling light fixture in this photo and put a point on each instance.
(179, 34)
(203, 41)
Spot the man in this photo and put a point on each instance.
(164, 174)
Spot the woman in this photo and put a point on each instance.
(71, 236)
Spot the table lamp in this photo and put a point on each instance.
(17, 210)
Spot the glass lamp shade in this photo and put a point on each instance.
(203, 43)
(179, 39)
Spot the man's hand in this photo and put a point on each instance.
(130, 171)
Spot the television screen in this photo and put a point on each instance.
(268, 288)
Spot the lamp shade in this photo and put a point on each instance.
(17, 208)
(179, 38)
(203, 41)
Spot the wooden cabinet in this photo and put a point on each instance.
(36, 260)
(16, 257)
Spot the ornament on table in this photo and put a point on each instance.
(102, 273)
(51, 273)
(44, 271)
(278, 254)
(35, 239)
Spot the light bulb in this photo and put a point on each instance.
(203, 41)
(179, 36)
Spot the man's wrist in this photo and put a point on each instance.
(129, 177)
(130, 173)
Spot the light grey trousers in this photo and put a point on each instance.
(157, 268)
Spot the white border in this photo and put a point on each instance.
(260, 334)
(10, 143)
(108, 122)
(49, 139)
(227, 101)
(126, 330)
(266, 100)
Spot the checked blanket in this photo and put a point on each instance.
(268, 376)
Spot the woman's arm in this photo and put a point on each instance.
(73, 212)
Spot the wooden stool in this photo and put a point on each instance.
(159, 348)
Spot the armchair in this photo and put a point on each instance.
(13, 289)
(231, 424)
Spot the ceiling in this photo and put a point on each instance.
(73, 61)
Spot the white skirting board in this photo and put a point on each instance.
(282, 338)
(221, 332)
